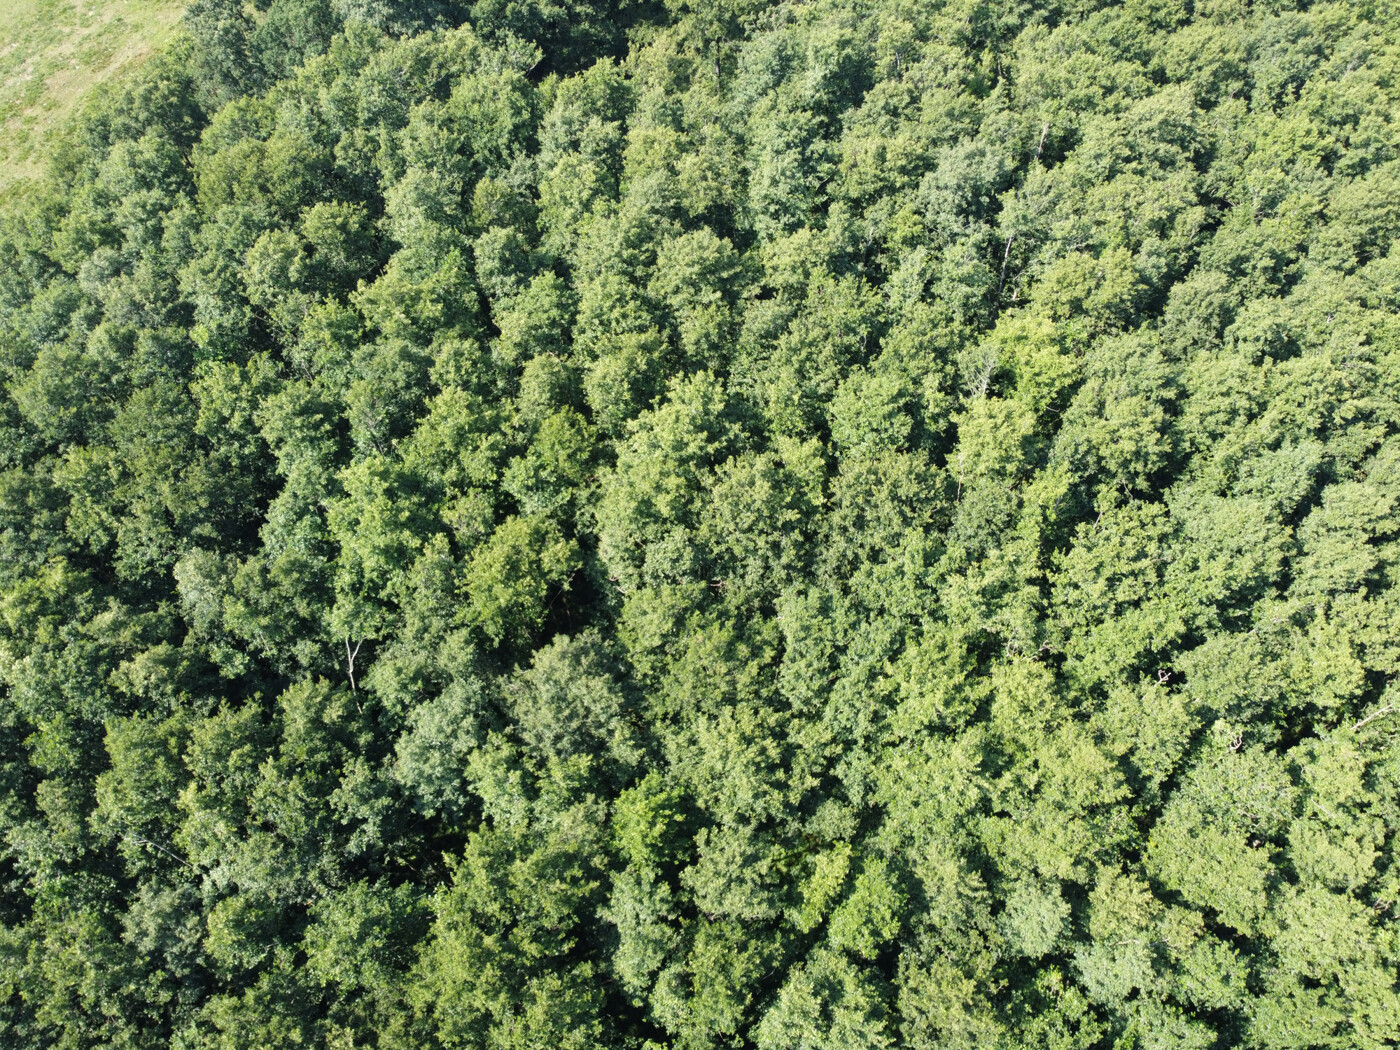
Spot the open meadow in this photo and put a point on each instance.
(53, 52)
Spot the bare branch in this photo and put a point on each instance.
(1005, 259)
(157, 846)
(350, 660)
(1387, 709)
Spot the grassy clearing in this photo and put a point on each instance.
(53, 52)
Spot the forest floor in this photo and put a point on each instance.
(53, 53)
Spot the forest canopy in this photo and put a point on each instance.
(804, 525)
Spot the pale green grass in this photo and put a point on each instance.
(53, 53)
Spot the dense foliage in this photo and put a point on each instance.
(831, 525)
